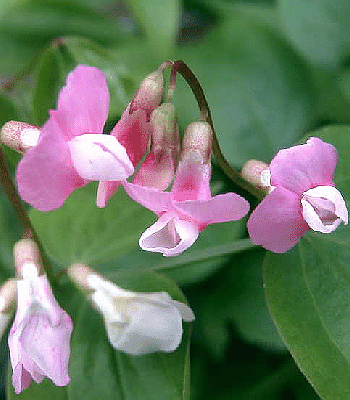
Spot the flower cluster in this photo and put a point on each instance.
(144, 155)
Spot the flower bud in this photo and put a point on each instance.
(159, 167)
(198, 137)
(27, 258)
(19, 136)
(149, 93)
(257, 173)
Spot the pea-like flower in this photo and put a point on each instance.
(302, 197)
(40, 335)
(189, 207)
(71, 149)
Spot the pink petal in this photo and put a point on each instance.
(221, 208)
(153, 199)
(105, 191)
(156, 171)
(83, 104)
(45, 175)
(132, 131)
(305, 166)
(192, 180)
(277, 224)
(170, 235)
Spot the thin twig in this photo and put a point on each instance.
(12, 194)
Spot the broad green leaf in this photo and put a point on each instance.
(160, 20)
(236, 297)
(258, 88)
(61, 58)
(81, 232)
(308, 289)
(320, 29)
(99, 371)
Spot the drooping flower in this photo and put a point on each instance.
(302, 197)
(40, 335)
(189, 207)
(136, 323)
(71, 149)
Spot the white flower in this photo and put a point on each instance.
(139, 323)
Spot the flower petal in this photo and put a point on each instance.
(169, 235)
(221, 208)
(83, 104)
(192, 181)
(133, 131)
(105, 191)
(153, 199)
(326, 202)
(277, 224)
(305, 166)
(152, 327)
(156, 171)
(98, 157)
(45, 175)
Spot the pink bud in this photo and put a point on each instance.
(149, 93)
(159, 167)
(19, 136)
(79, 273)
(198, 137)
(255, 171)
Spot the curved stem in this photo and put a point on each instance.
(11, 192)
(235, 176)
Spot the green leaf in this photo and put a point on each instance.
(320, 29)
(160, 20)
(99, 371)
(308, 291)
(236, 297)
(257, 87)
(81, 232)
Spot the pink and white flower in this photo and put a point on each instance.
(189, 207)
(302, 197)
(40, 335)
(71, 149)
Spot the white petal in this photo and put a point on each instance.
(170, 235)
(98, 157)
(333, 203)
(30, 137)
(152, 327)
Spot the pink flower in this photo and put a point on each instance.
(302, 197)
(187, 209)
(40, 335)
(71, 149)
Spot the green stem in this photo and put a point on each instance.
(197, 90)
(12, 194)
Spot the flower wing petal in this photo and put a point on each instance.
(277, 224)
(45, 175)
(221, 208)
(153, 199)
